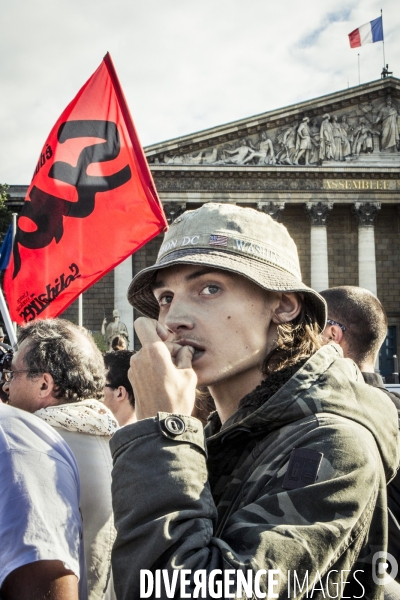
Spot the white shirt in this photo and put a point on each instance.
(39, 499)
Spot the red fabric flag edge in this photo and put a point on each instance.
(144, 171)
(354, 38)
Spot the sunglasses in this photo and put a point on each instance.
(332, 322)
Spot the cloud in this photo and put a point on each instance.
(184, 65)
(311, 38)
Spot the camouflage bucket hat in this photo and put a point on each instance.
(224, 236)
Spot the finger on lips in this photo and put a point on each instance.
(174, 348)
(184, 357)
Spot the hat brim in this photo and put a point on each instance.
(269, 277)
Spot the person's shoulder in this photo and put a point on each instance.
(15, 422)
(375, 380)
(21, 431)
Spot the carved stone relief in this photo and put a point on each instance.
(318, 212)
(273, 209)
(366, 212)
(367, 133)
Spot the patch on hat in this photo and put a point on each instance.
(302, 469)
(218, 240)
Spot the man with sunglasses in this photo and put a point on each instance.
(357, 322)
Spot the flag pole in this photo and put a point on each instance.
(383, 41)
(358, 68)
(14, 233)
(9, 325)
(80, 310)
(11, 330)
(7, 319)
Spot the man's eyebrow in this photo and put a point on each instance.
(199, 273)
(157, 285)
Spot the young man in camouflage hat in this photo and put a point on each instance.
(287, 495)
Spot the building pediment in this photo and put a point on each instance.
(357, 127)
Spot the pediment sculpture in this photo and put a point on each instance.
(365, 134)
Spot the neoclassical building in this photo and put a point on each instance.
(327, 168)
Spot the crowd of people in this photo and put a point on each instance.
(248, 449)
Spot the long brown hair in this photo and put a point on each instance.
(297, 341)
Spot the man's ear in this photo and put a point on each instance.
(122, 394)
(46, 385)
(288, 308)
(334, 333)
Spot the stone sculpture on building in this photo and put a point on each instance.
(388, 116)
(309, 141)
(315, 141)
(337, 139)
(265, 152)
(303, 142)
(209, 159)
(243, 154)
(287, 141)
(363, 138)
(347, 136)
(116, 327)
(326, 139)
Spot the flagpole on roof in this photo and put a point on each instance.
(358, 68)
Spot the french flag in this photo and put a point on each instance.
(367, 34)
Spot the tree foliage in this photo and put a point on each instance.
(5, 213)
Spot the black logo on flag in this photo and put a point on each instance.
(47, 211)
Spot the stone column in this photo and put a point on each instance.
(318, 213)
(122, 279)
(366, 212)
(273, 209)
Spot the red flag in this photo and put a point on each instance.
(91, 203)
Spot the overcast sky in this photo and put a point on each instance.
(184, 65)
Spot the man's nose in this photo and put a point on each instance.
(178, 317)
(5, 385)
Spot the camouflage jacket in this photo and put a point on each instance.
(393, 490)
(295, 484)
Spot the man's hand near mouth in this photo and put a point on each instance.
(161, 372)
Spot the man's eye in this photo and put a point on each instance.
(164, 300)
(209, 290)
